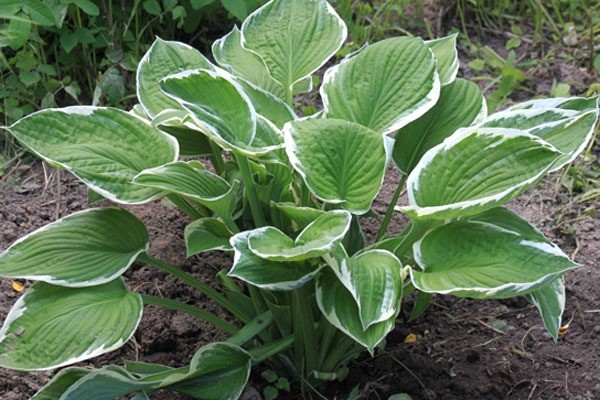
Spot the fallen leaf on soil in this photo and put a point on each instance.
(410, 338)
(17, 286)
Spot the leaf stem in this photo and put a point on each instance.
(390, 210)
(268, 350)
(185, 206)
(251, 194)
(200, 286)
(252, 328)
(189, 309)
(216, 158)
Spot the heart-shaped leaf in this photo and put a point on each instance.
(202, 186)
(550, 302)
(460, 105)
(385, 86)
(162, 59)
(373, 278)
(475, 170)
(104, 147)
(87, 248)
(51, 326)
(339, 307)
(493, 255)
(341, 162)
(206, 234)
(318, 238)
(446, 57)
(293, 37)
(266, 274)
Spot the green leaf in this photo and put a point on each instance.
(318, 238)
(567, 103)
(8, 8)
(341, 162)
(266, 274)
(39, 12)
(152, 7)
(446, 56)
(268, 105)
(385, 86)
(51, 326)
(339, 307)
(493, 255)
(550, 301)
(60, 383)
(460, 105)
(568, 130)
(474, 170)
(202, 186)
(177, 123)
(294, 37)
(56, 254)
(88, 7)
(302, 216)
(104, 147)
(17, 33)
(162, 59)
(206, 234)
(248, 65)
(373, 279)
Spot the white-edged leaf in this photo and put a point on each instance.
(373, 278)
(162, 59)
(318, 238)
(302, 216)
(87, 248)
(341, 162)
(493, 255)
(191, 137)
(567, 103)
(51, 326)
(339, 307)
(206, 234)
(294, 37)
(60, 383)
(460, 105)
(550, 302)
(266, 274)
(267, 105)
(446, 56)
(202, 186)
(474, 170)
(104, 147)
(385, 86)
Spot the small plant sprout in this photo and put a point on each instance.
(286, 196)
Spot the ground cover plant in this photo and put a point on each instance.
(286, 196)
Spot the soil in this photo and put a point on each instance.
(464, 349)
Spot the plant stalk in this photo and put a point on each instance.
(188, 309)
(390, 210)
(251, 194)
(186, 207)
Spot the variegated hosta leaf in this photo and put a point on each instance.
(492, 255)
(248, 65)
(341, 162)
(302, 216)
(202, 186)
(87, 248)
(339, 307)
(294, 37)
(272, 275)
(446, 56)
(474, 170)
(568, 130)
(177, 123)
(206, 234)
(318, 238)
(567, 103)
(162, 59)
(550, 302)
(104, 147)
(267, 105)
(385, 86)
(460, 105)
(219, 362)
(51, 326)
(373, 278)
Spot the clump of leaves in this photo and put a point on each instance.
(288, 202)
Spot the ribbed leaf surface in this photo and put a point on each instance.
(51, 326)
(446, 56)
(474, 170)
(493, 255)
(87, 248)
(162, 59)
(104, 147)
(341, 162)
(206, 234)
(385, 86)
(294, 37)
(460, 105)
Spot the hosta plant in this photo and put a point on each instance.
(286, 196)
